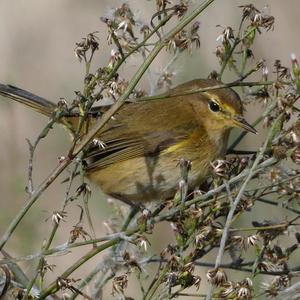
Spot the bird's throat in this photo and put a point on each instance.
(220, 139)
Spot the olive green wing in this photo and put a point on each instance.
(142, 129)
(112, 151)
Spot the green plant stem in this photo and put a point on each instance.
(150, 293)
(40, 263)
(228, 57)
(87, 280)
(230, 53)
(133, 211)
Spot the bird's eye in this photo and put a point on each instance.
(213, 106)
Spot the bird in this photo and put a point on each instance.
(143, 143)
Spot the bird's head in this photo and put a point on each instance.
(218, 108)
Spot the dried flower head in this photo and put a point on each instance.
(249, 11)
(77, 232)
(165, 79)
(172, 279)
(281, 71)
(226, 36)
(185, 39)
(277, 284)
(279, 152)
(204, 234)
(90, 43)
(295, 133)
(98, 143)
(46, 268)
(216, 276)
(296, 156)
(252, 240)
(181, 8)
(119, 284)
(227, 290)
(162, 4)
(220, 53)
(220, 168)
(115, 56)
(244, 289)
(58, 216)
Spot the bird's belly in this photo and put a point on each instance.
(152, 178)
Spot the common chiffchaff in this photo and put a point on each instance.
(145, 140)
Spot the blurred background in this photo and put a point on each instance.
(37, 53)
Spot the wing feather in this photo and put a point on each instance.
(141, 129)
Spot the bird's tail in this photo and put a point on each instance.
(35, 102)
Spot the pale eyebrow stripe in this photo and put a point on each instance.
(213, 97)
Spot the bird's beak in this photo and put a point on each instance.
(241, 122)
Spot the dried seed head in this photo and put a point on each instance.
(165, 79)
(62, 104)
(295, 133)
(244, 293)
(220, 53)
(58, 216)
(228, 289)
(278, 283)
(181, 9)
(172, 279)
(216, 276)
(296, 156)
(226, 36)
(77, 232)
(275, 175)
(249, 11)
(142, 242)
(99, 143)
(220, 168)
(279, 152)
(162, 4)
(265, 73)
(61, 159)
(252, 240)
(204, 235)
(238, 240)
(115, 56)
(119, 284)
(244, 289)
(281, 71)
